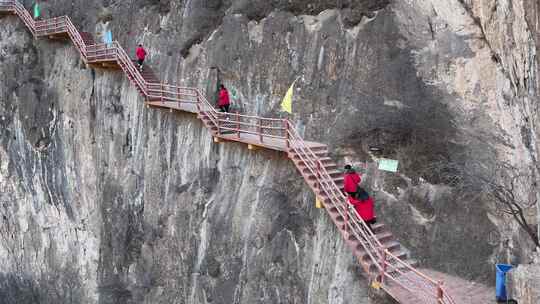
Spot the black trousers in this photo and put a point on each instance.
(140, 62)
(225, 108)
(371, 222)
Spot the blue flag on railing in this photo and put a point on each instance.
(108, 37)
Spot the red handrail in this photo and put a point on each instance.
(391, 267)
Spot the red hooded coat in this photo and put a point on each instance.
(223, 98)
(351, 181)
(141, 53)
(364, 208)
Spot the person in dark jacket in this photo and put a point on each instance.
(351, 180)
(141, 55)
(364, 206)
(223, 101)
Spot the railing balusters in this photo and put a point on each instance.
(260, 129)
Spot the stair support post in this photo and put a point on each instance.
(318, 202)
(286, 128)
(237, 123)
(440, 293)
(178, 96)
(384, 265)
(218, 123)
(259, 127)
(161, 92)
(199, 102)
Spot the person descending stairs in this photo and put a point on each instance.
(141, 55)
(351, 180)
(224, 102)
(364, 206)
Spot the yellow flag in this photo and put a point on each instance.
(286, 104)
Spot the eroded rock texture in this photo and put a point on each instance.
(105, 201)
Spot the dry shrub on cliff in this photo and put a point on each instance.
(514, 193)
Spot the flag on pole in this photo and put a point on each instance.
(36, 10)
(286, 104)
(108, 37)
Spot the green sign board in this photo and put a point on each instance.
(386, 164)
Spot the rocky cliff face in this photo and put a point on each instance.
(105, 201)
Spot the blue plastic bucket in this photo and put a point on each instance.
(500, 281)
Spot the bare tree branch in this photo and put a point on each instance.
(503, 183)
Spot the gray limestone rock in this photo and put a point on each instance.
(105, 201)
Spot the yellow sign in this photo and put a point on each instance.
(318, 203)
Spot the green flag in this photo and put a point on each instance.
(36, 10)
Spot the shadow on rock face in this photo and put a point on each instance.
(62, 285)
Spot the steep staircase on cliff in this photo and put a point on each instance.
(380, 255)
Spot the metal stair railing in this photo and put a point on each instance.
(260, 127)
(204, 106)
(172, 93)
(390, 267)
(7, 6)
(325, 184)
(129, 68)
(101, 52)
(24, 15)
(76, 37)
(408, 278)
(50, 26)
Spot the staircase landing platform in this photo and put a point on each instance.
(277, 144)
(267, 142)
(173, 105)
(463, 291)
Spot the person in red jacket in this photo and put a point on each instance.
(364, 206)
(224, 101)
(141, 55)
(351, 180)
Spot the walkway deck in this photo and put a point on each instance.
(174, 105)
